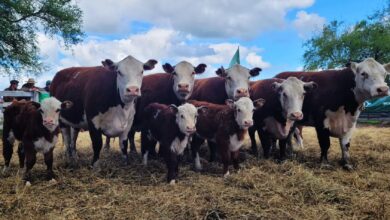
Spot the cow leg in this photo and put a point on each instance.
(324, 141)
(252, 133)
(21, 155)
(298, 136)
(266, 143)
(133, 149)
(8, 143)
(107, 144)
(213, 151)
(282, 148)
(123, 144)
(344, 145)
(49, 165)
(171, 159)
(225, 156)
(74, 133)
(66, 138)
(235, 158)
(30, 161)
(146, 143)
(97, 142)
(195, 145)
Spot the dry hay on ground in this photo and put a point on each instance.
(296, 189)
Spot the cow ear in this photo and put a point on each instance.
(168, 68)
(109, 64)
(354, 67)
(276, 86)
(309, 86)
(255, 71)
(258, 103)
(230, 103)
(387, 68)
(221, 72)
(66, 105)
(173, 108)
(150, 64)
(202, 109)
(200, 68)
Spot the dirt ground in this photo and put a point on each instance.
(296, 189)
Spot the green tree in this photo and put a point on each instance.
(336, 45)
(21, 20)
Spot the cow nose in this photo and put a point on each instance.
(183, 86)
(383, 90)
(133, 90)
(248, 122)
(48, 121)
(297, 115)
(191, 129)
(242, 92)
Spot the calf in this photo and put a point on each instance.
(282, 109)
(36, 127)
(172, 87)
(231, 83)
(172, 127)
(226, 126)
(334, 108)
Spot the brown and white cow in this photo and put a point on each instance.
(224, 125)
(36, 126)
(283, 107)
(104, 100)
(333, 109)
(172, 87)
(231, 83)
(172, 127)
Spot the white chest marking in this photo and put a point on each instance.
(115, 120)
(339, 123)
(178, 146)
(11, 137)
(234, 143)
(44, 146)
(275, 128)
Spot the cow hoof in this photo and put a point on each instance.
(226, 175)
(106, 149)
(348, 167)
(145, 159)
(326, 166)
(28, 184)
(96, 166)
(53, 181)
(5, 170)
(172, 182)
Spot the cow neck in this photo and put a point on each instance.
(351, 100)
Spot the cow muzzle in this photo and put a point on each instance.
(383, 91)
(132, 91)
(190, 130)
(241, 93)
(296, 116)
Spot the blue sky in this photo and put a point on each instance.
(270, 33)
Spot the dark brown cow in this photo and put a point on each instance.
(36, 127)
(282, 109)
(173, 87)
(226, 125)
(171, 126)
(231, 83)
(333, 109)
(104, 100)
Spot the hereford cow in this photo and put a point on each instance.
(231, 83)
(36, 127)
(334, 108)
(171, 126)
(104, 100)
(282, 109)
(173, 87)
(226, 126)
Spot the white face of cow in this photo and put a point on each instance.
(183, 77)
(186, 115)
(370, 79)
(243, 110)
(291, 95)
(237, 80)
(129, 76)
(50, 110)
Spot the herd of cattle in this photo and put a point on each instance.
(177, 111)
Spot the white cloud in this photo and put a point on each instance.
(203, 18)
(306, 24)
(255, 60)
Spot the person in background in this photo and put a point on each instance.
(47, 87)
(29, 86)
(13, 87)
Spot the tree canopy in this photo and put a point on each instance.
(22, 20)
(337, 45)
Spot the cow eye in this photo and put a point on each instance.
(193, 73)
(284, 95)
(40, 110)
(58, 110)
(119, 73)
(182, 116)
(365, 75)
(229, 78)
(238, 110)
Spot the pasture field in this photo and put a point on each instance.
(296, 189)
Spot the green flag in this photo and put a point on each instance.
(235, 58)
